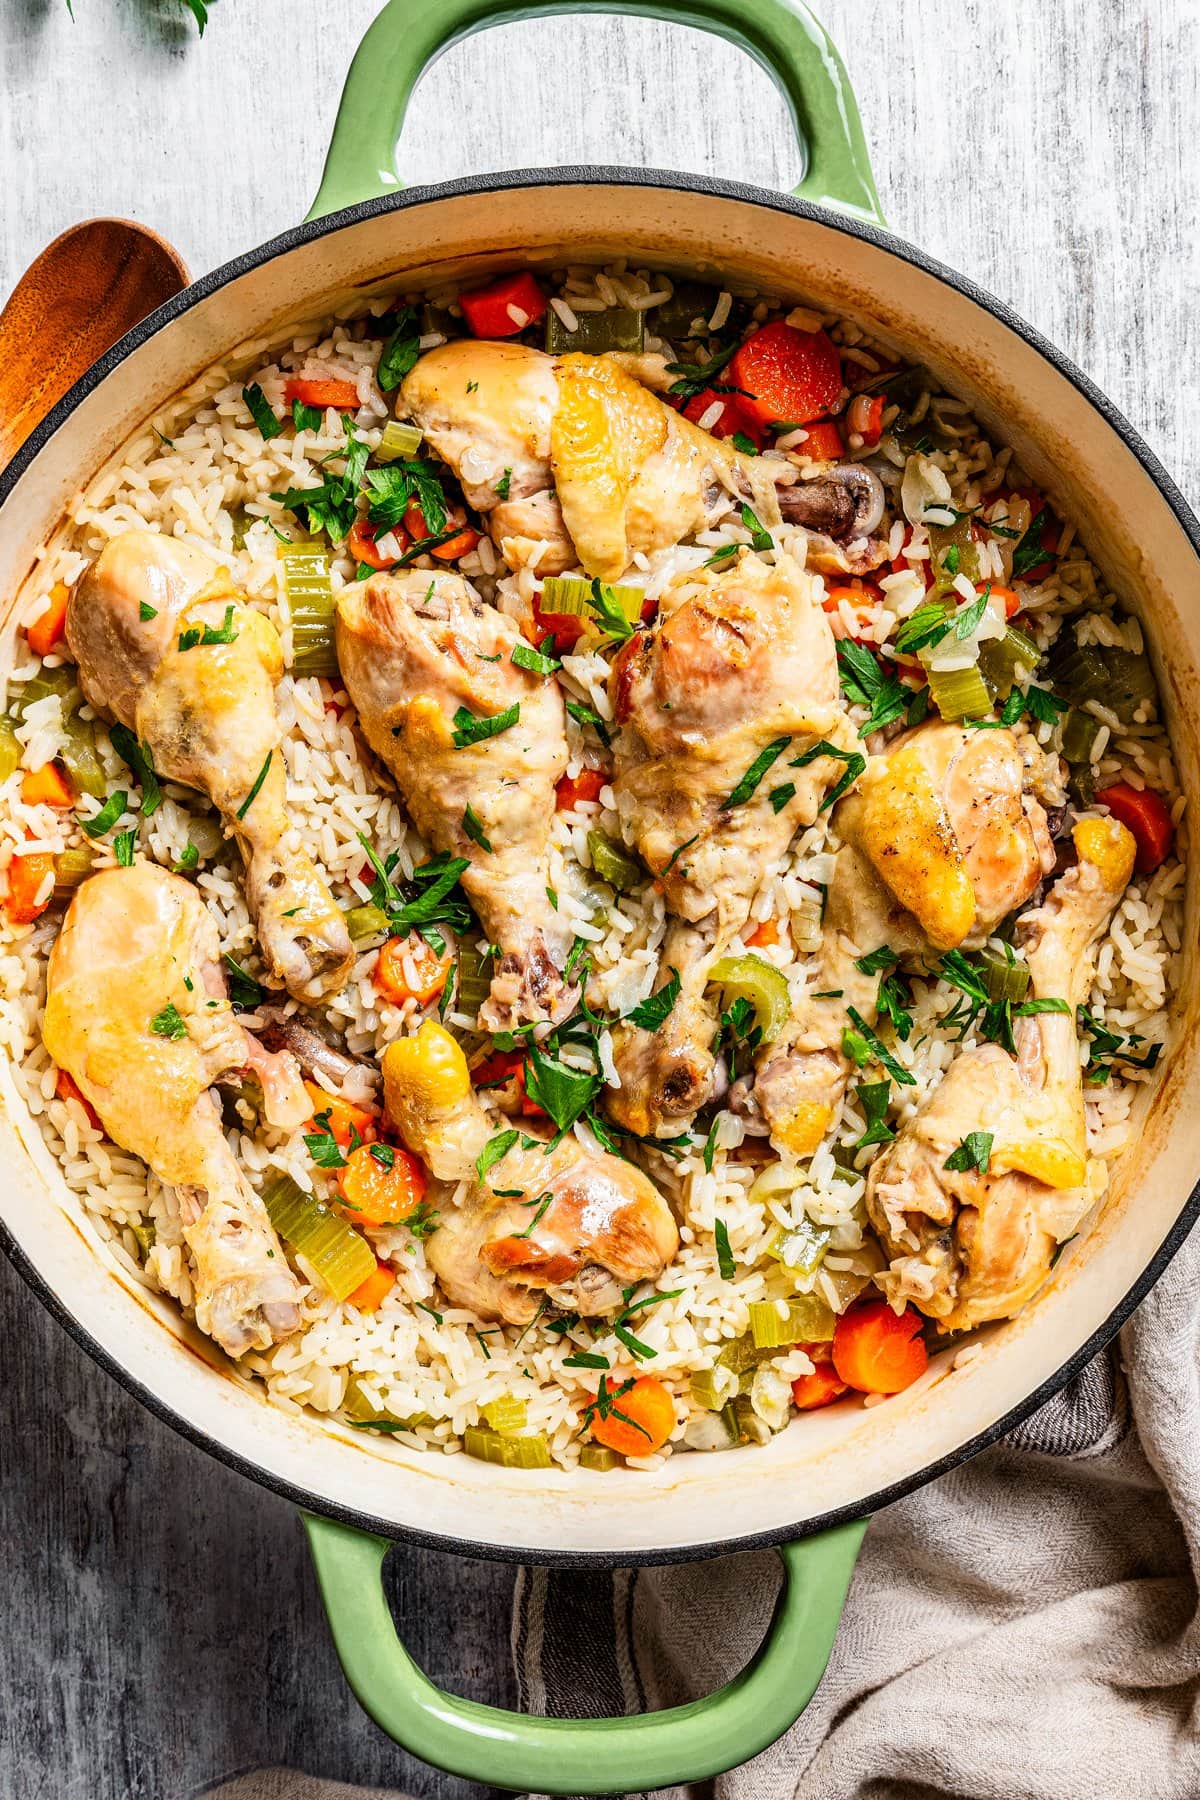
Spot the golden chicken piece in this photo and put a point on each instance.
(718, 707)
(168, 646)
(943, 840)
(967, 1245)
(574, 461)
(566, 1225)
(136, 1012)
(425, 659)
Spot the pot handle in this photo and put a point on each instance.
(584, 1756)
(783, 35)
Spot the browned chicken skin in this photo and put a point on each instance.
(206, 715)
(599, 468)
(136, 941)
(942, 842)
(738, 662)
(566, 1225)
(967, 1246)
(414, 649)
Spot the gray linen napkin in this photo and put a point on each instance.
(1023, 1629)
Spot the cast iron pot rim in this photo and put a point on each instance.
(602, 176)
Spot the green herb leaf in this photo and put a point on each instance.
(563, 1093)
(966, 620)
(108, 815)
(755, 773)
(542, 1203)
(473, 826)
(874, 1097)
(975, 1152)
(469, 728)
(526, 657)
(587, 715)
(780, 796)
(876, 961)
(710, 1144)
(244, 991)
(855, 765)
(384, 1155)
(189, 856)
(726, 554)
(248, 802)
(927, 626)
(123, 845)
(725, 1259)
(1029, 552)
(696, 378)
(746, 445)
(306, 418)
(1044, 706)
(864, 683)
(608, 610)
(493, 1150)
(167, 1023)
(760, 537)
(146, 611)
(502, 486)
(882, 1055)
(422, 1222)
(261, 411)
(586, 1359)
(322, 1146)
(400, 352)
(651, 1014)
(141, 763)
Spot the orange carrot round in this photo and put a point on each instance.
(46, 632)
(638, 1421)
(410, 969)
(67, 1088)
(820, 1388)
(363, 546)
(786, 374)
(342, 394)
(589, 784)
(344, 1118)
(47, 786)
(1146, 814)
(1010, 597)
(26, 874)
(381, 1184)
(370, 1295)
(823, 443)
(877, 1352)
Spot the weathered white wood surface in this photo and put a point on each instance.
(159, 1626)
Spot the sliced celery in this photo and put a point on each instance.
(398, 440)
(746, 1422)
(145, 1232)
(341, 1258)
(1000, 658)
(1078, 735)
(506, 1416)
(741, 1353)
(806, 1320)
(614, 863)
(310, 603)
(1004, 977)
(78, 756)
(1119, 679)
(690, 306)
(953, 552)
(754, 979)
(573, 594)
(771, 1397)
(488, 1446)
(10, 749)
(366, 921)
(617, 328)
(801, 1249)
(1131, 680)
(712, 1430)
(713, 1387)
(599, 1458)
(474, 980)
(959, 693)
(62, 681)
(70, 868)
(357, 1407)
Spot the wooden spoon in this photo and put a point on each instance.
(86, 290)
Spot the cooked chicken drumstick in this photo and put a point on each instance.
(136, 1012)
(967, 1246)
(573, 1227)
(416, 650)
(740, 664)
(166, 645)
(942, 841)
(573, 460)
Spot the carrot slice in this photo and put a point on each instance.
(371, 1294)
(363, 546)
(877, 1352)
(47, 786)
(344, 1119)
(26, 875)
(46, 632)
(1144, 813)
(786, 374)
(410, 969)
(1011, 599)
(823, 443)
(638, 1422)
(342, 394)
(376, 1192)
(766, 933)
(864, 417)
(461, 544)
(503, 307)
(820, 1388)
(589, 784)
(730, 420)
(67, 1088)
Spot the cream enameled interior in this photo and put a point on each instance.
(826, 1461)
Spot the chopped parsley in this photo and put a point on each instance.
(493, 1150)
(395, 486)
(1107, 1048)
(865, 683)
(542, 1203)
(141, 766)
(586, 1359)
(874, 1097)
(604, 1406)
(108, 815)
(855, 765)
(123, 845)
(746, 445)
(537, 663)
(608, 610)
(252, 796)
(563, 1093)
(651, 1014)
(323, 1146)
(400, 352)
(760, 537)
(698, 378)
(167, 1023)
(725, 555)
(189, 856)
(755, 773)
(710, 1144)
(502, 486)
(473, 826)
(725, 1261)
(423, 1221)
(587, 715)
(469, 728)
(306, 418)
(146, 611)
(780, 796)
(975, 1152)
(1030, 552)
(924, 628)
(261, 411)
(875, 1048)
(384, 1155)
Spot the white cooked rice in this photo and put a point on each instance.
(201, 471)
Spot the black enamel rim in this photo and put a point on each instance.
(772, 202)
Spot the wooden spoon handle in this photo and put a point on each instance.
(86, 290)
